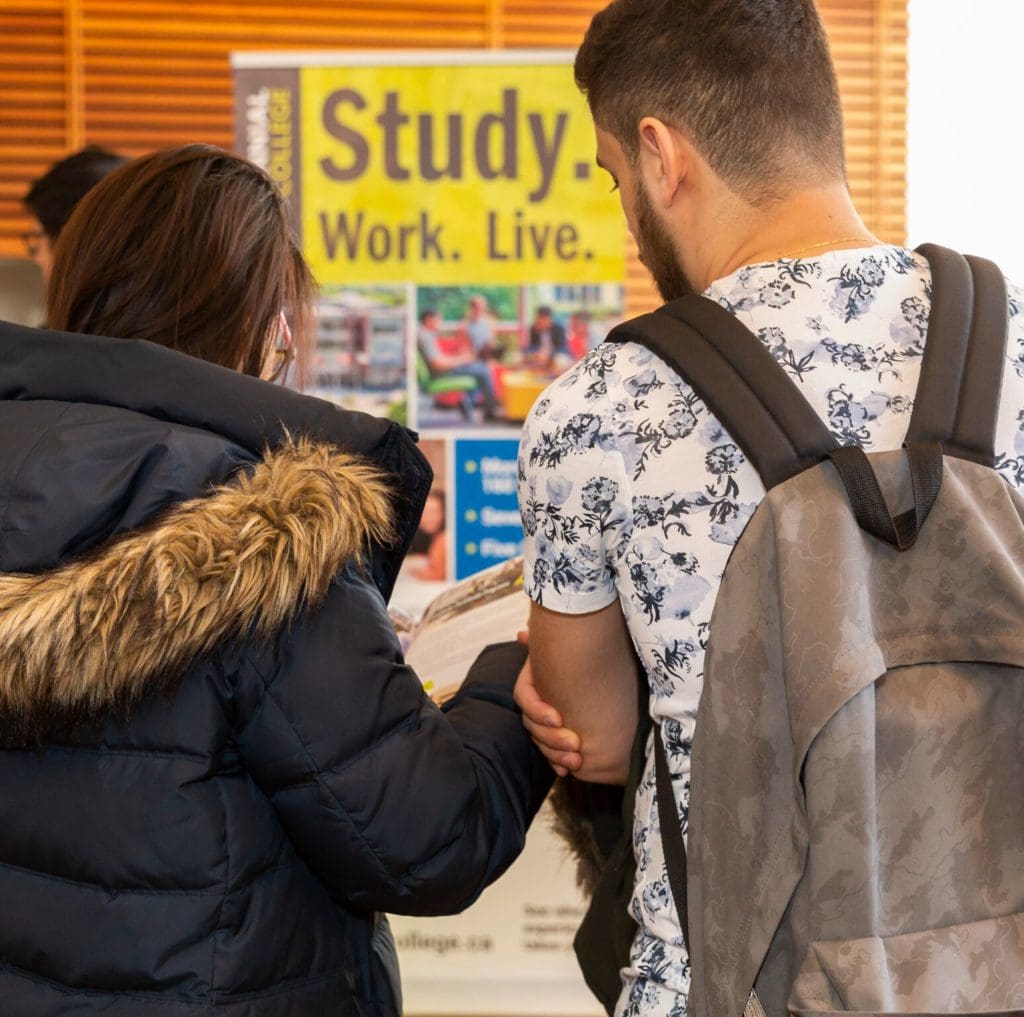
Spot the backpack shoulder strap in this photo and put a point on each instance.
(739, 380)
(957, 400)
(672, 844)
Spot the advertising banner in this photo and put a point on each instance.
(467, 247)
(412, 168)
(468, 252)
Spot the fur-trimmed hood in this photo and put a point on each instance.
(94, 635)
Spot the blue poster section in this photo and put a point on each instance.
(487, 527)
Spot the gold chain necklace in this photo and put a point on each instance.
(831, 243)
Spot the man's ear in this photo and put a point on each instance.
(664, 159)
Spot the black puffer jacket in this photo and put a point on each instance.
(215, 767)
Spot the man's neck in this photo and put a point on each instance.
(806, 223)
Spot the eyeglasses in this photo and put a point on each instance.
(283, 351)
(282, 358)
(33, 241)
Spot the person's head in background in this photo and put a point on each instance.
(54, 196)
(477, 307)
(716, 118)
(580, 321)
(543, 317)
(579, 333)
(430, 320)
(190, 248)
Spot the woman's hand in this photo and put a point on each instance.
(561, 747)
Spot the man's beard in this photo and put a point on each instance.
(657, 252)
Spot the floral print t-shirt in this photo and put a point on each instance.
(630, 489)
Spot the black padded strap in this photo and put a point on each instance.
(945, 350)
(978, 411)
(739, 380)
(957, 400)
(671, 833)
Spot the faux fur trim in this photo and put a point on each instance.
(94, 635)
(588, 817)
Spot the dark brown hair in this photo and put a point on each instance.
(750, 81)
(189, 248)
(54, 196)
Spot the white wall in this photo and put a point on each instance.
(966, 128)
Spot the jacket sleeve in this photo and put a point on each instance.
(395, 805)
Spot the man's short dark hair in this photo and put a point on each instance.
(544, 311)
(430, 312)
(53, 197)
(750, 81)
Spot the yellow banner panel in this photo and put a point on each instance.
(453, 174)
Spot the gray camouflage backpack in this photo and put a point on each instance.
(856, 828)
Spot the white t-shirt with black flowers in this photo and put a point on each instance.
(630, 489)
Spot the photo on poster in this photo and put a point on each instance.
(464, 336)
(484, 354)
(427, 558)
(360, 360)
(426, 570)
(567, 320)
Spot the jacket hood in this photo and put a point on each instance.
(98, 436)
(95, 634)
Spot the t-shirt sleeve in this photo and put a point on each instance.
(1009, 443)
(573, 497)
(427, 341)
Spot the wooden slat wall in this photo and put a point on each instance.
(34, 104)
(157, 70)
(869, 45)
(140, 74)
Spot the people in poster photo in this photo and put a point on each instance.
(484, 354)
(428, 554)
(458, 371)
(427, 569)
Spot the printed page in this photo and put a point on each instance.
(489, 607)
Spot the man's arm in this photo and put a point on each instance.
(437, 360)
(585, 667)
(441, 362)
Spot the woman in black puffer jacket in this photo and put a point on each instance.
(216, 769)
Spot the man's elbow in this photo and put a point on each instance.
(603, 771)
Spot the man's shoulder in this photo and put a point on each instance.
(611, 379)
(581, 389)
(1015, 294)
(619, 399)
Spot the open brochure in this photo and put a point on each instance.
(489, 607)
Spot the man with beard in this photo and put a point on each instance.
(719, 121)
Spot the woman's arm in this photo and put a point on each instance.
(395, 805)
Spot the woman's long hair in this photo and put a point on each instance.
(189, 248)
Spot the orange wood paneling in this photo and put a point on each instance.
(34, 104)
(140, 74)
